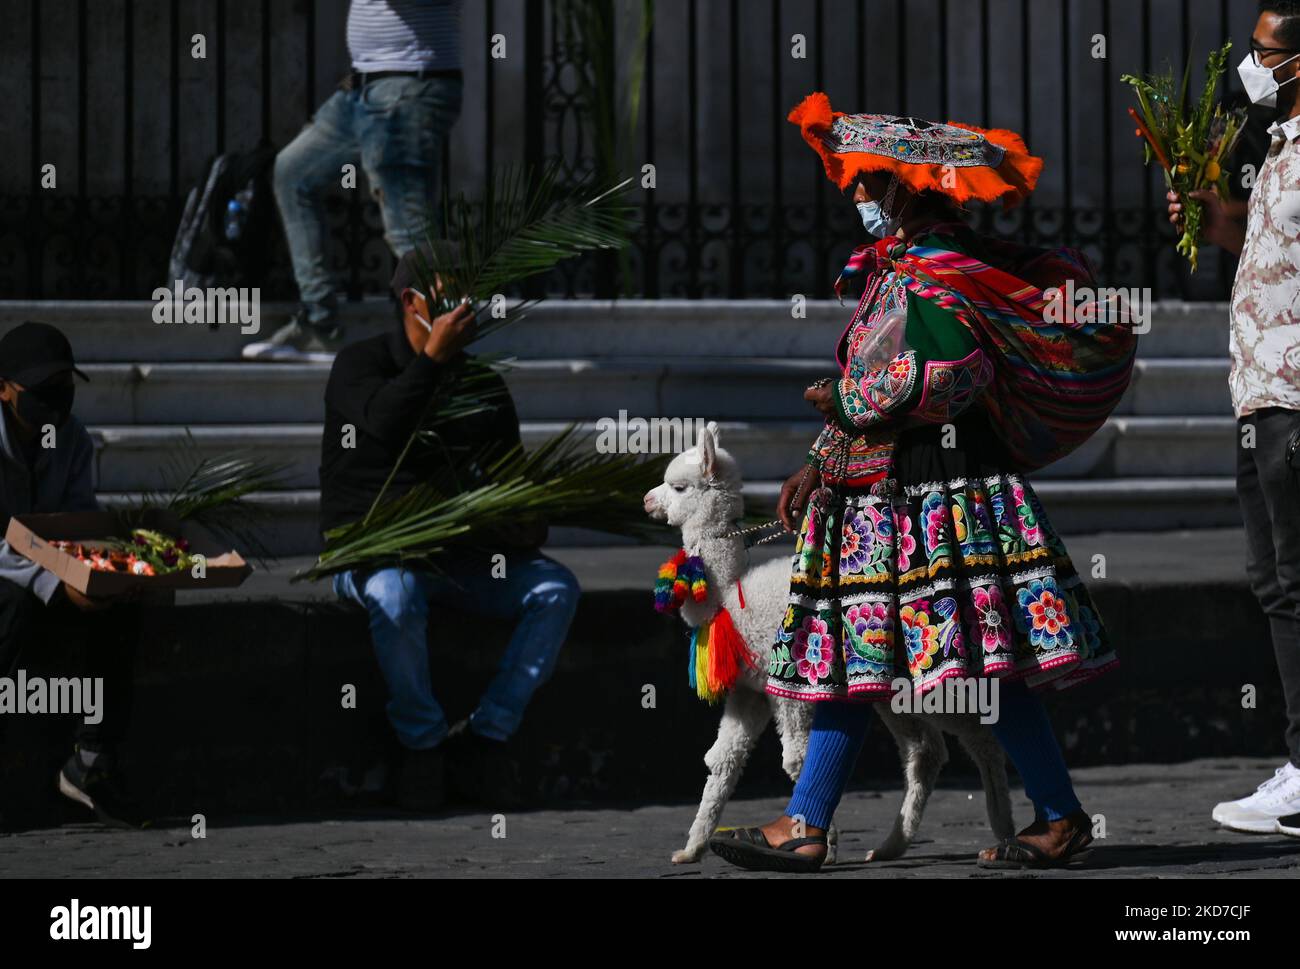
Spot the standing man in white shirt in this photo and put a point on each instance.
(1265, 384)
(393, 114)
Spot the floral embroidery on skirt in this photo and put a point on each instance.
(964, 577)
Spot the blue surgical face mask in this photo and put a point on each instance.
(875, 215)
(873, 219)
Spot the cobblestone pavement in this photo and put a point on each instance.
(1157, 825)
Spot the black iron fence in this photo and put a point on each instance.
(112, 95)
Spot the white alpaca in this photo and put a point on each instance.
(701, 495)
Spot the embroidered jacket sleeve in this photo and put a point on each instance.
(939, 372)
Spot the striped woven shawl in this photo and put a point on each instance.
(1054, 383)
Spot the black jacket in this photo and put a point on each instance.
(380, 386)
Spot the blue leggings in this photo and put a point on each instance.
(1022, 728)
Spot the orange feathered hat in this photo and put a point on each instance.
(957, 160)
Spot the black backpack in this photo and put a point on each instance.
(229, 225)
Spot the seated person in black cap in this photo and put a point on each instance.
(46, 462)
(377, 392)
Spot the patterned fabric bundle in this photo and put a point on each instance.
(1053, 384)
(677, 577)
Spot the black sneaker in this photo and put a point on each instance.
(1289, 825)
(481, 771)
(420, 780)
(297, 342)
(95, 787)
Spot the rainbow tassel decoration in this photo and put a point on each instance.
(680, 576)
(718, 657)
(718, 653)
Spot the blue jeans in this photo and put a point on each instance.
(537, 592)
(396, 126)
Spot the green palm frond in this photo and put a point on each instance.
(475, 391)
(563, 482)
(212, 491)
(528, 223)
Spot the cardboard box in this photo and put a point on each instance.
(30, 535)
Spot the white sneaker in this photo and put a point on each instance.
(295, 342)
(1277, 797)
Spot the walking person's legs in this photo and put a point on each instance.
(838, 732)
(1025, 733)
(305, 170)
(1061, 828)
(1274, 554)
(403, 126)
(1269, 497)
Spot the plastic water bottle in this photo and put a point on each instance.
(234, 219)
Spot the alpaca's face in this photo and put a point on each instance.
(702, 483)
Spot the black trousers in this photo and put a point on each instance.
(110, 637)
(1270, 504)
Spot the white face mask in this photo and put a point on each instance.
(1260, 84)
(423, 322)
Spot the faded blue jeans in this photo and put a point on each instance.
(396, 128)
(537, 592)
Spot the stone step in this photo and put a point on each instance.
(1117, 504)
(715, 388)
(116, 331)
(132, 458)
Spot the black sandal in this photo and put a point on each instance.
(1016, 854)
(749, 848)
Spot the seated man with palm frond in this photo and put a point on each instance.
(392, 423)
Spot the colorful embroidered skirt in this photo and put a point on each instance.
(958, 574)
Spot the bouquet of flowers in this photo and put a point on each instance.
(147, 552)
(1191, 142)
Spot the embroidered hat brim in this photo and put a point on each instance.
(957, 160)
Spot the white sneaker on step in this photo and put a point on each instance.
(1277, 797)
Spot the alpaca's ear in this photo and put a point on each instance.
(712, 428)
(708, 453)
